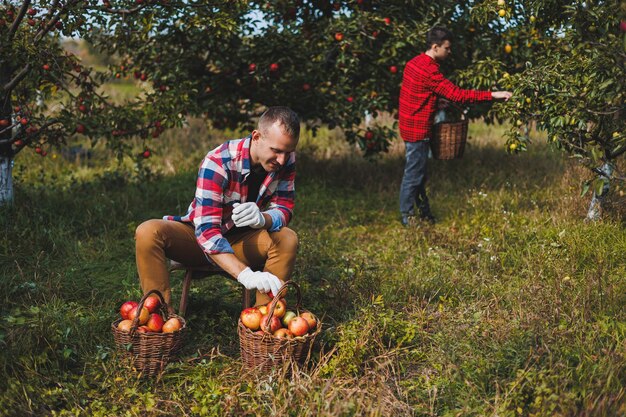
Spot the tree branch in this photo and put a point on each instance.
(618, 153)
(8, 87)
(18, 20)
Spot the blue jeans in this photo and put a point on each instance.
(413, 188)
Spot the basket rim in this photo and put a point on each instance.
(117, 321)
(268, 336)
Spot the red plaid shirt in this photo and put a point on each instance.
(421, 84)
(222, 182)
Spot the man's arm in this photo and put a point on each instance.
(445, 88)
(229, 263)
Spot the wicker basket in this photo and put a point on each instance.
(150, 352)
(448, 139)
(262, 351)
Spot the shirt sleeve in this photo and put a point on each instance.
(283, 200)
(445, 88)
(210, 186)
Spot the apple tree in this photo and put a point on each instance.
(47, 95)
(564, 62)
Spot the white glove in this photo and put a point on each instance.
(248, 214)
(262, 281)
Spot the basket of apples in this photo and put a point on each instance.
(148, 332)
(270, 335)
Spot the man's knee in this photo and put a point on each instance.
(286, 240)
(147, 230)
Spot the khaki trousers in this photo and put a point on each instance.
(156, 240)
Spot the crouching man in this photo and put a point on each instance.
(238, 217)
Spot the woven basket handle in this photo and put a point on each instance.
(162, 307)
(281, 293)
(462, 110)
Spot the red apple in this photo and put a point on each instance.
(299, 326)
(18, 142)
(172, 325)
(44, 153)
(80, 128)
(251, 318)
(306, 87)
(125, 325)
(24, 121)
(58, 25)
(283, 334)
(82, 108)
(144, 329)
(310, 319)
(31, 12)
(4, 122)
(274, 324)
(280, 308)
(369, 135)
(143, 77)
(146, 154)
(155, 322)
(393, 69)
(338, 36)
(31, 22)
(387, 20)
(252, 67)
(350, 99)
(144, 315)
(126, 308)
(152, 303)
(38, 150)
(274, 67)
(622, 25)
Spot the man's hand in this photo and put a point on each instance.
(262, 281)
(501, 95)
(248, 214)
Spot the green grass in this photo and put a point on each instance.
(511, 305)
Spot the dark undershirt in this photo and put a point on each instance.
(254, 180)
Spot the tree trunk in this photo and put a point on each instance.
(6, 180)
(595, 206)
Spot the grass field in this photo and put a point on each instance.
(510, 306)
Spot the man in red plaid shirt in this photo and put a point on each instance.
(237, 219)
(422, 85)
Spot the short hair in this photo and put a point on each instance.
(437, 35)
(287, 118)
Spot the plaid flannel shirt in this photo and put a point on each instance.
(222, 182)
(421, 84)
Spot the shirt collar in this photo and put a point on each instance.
(245, 155)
